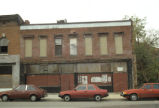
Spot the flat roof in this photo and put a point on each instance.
(76, 25)
(13, 17)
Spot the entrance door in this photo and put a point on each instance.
(5, 76)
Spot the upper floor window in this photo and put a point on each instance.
(58, 46)
(28, 47)
(4, 45)
(43, 46)
(73, 46)
(103, 43)
(88, 44)
(119, 42)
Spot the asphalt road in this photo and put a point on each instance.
(81, 104)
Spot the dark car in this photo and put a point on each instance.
(148, 90)
(23, 92)
(84, 91)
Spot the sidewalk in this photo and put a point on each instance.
(112, 96)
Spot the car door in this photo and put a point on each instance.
(91, 91)
(147, 91)
(30, 90)
(80, 92)
(19, 92)
(155, 90)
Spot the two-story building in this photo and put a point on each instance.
(58, 56)
(10, 50)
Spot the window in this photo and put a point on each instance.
(28, 47)
(156, 86)
(43, 47)
(73, 46)
(90, 87)
(81, 87)
(3, 49)
(119, 43)
(58, 46)
(103, 45)
(29, 87)
(147, 87)
(88, 45)
(21, 88)
(4, 45)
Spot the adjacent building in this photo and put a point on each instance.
(59, 56)
(10, 50)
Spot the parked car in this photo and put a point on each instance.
(148, 90)
(23, 92)
(84, 91)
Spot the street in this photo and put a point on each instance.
(58, 103)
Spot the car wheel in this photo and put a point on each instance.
(133, 97)
(67, 98)
(33, 97)
(97, 98)
(5, 98)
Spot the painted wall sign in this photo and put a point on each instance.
(103, 79)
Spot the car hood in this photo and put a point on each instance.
(5, 91)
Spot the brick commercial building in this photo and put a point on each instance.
(62, 55)
(10, 50)
(58, 56)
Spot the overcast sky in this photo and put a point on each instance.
(49, 11)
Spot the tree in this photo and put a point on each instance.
(144, 47)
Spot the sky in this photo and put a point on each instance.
(49, 11)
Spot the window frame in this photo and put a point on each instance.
(58, 46)
(25, 55)
(4, 45)
(119, 34)
(85, 45)
(106, 37)
(76, 46)
(41, 37)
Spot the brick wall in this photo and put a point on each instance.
(12, 33)
(127, 48)
(67, 81)
(44, 80)
(120, 81)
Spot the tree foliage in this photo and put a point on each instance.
(145, 48)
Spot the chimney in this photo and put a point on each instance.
(62, 21)
(27, 22)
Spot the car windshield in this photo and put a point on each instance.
(141, 86)
(20, 88)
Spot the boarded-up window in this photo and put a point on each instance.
(73, 46)
(119, 43)
(88, 45)
(103, 45)
(43, 47)
(58, 46)
(28, 48)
